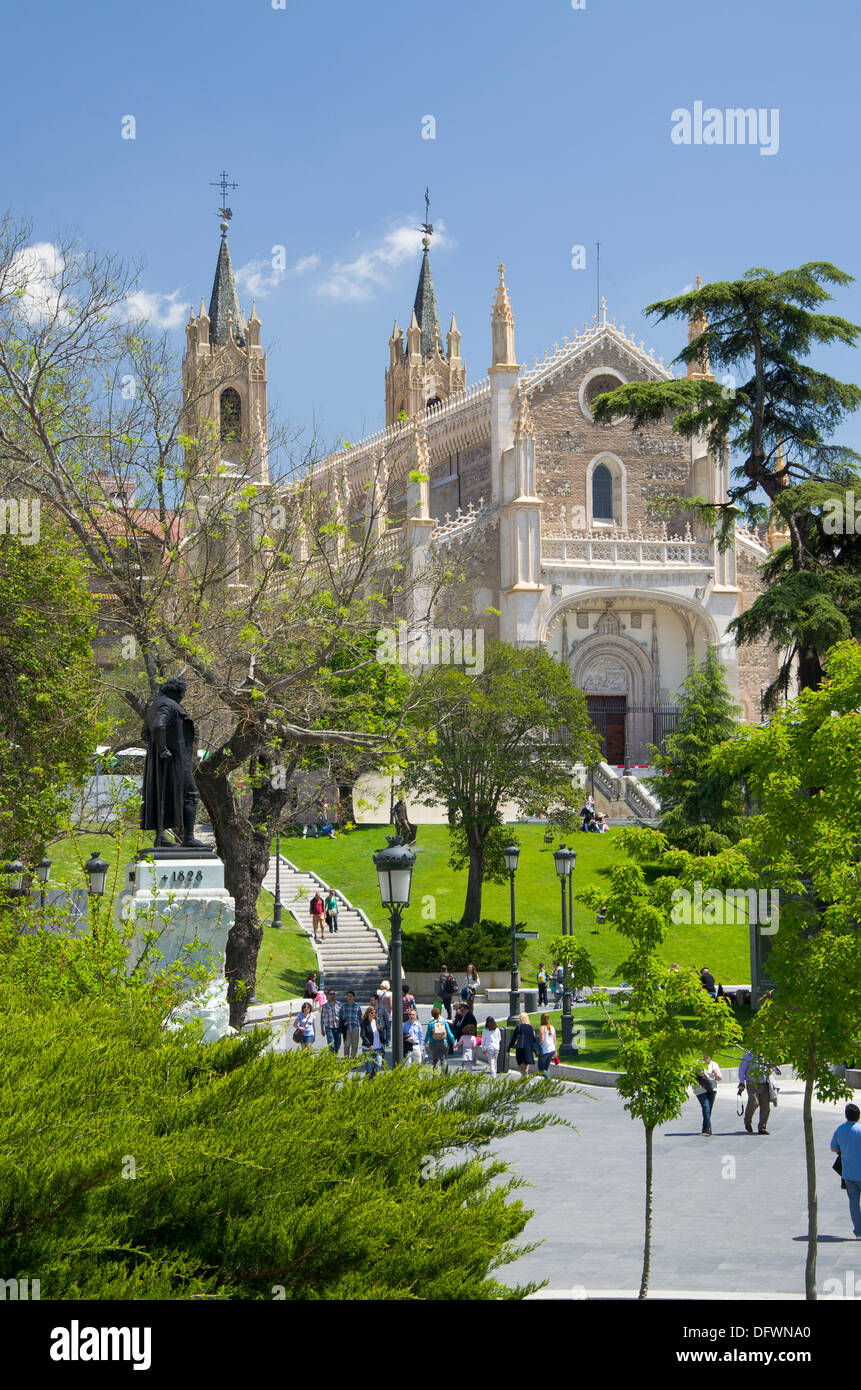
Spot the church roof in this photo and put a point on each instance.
(224, 301)
(426, 312)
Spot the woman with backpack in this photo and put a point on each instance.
(438, 1039)
(523, 1040)
(317, 908)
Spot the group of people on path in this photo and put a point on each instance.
(324, 913)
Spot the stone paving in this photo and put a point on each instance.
(730, 1216)
(729, 1212)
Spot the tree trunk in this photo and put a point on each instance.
(809, 668)
(345, 801)
(475, 880)
(812, 1199)
(647, 1242)
(245, 852)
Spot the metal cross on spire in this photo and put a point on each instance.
(223, 183)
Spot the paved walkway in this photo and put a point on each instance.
(730, 1214)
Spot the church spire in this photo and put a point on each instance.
(697, 325)
(225, 316)
(503, 326)
(425, 307)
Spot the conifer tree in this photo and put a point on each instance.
(698, 795)
(777, 413)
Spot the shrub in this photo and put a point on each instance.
(136, 1164)
(487, 945)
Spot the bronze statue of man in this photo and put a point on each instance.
(170, 796)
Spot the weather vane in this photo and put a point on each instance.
(426, 226)
(223, 183)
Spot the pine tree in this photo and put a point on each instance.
(697, 794)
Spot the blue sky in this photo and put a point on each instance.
(552, 130)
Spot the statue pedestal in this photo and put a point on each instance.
(180, 896)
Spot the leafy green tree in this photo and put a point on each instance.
(701, 803)
(510, 733)
(50, 717)
(364, 694)
(806, 842)
(778, 413)
(658, 1048)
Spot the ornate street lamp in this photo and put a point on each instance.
(394, 868)
(43, 872)
(97, 871)
(276, 911)
(565, 859)
(14, 875)
(511, 856)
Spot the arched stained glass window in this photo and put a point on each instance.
(602, 493)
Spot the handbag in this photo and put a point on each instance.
(298, 1035)
(837, 1165)
(772, 1092)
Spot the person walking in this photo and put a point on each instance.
(558, 983)
(467, 1043)
(491, 1042)
(546, 1043)
(408, 1002)
(332, 1020)
(317, 908)
(754, 1074)
(705, 1090)
(375, 1036)
(543, 979)
(331, 910)
(445, 988)
(438, 1039)
(351, 1024)
(523, 1041)
(846, 1141)
(414, 1051)
(304, 1031)
(384, 1000)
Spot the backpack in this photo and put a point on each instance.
(438, 1030)
(450, 984)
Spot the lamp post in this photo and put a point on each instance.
(97, 872)
(43, 871)
(394, 868)
(511, 856)
(276, 911)
(14, 875)
(564, 860)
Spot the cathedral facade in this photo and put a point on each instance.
(556, 510)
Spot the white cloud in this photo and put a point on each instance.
(164, 310)
(305, 263)
(257, 278)
(372, 270)
(34, 281)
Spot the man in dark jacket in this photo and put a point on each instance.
(446, 986)
(170, 796)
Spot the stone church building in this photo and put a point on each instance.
(555, 508)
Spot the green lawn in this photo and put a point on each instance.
(438, 893)
(599, 1048)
